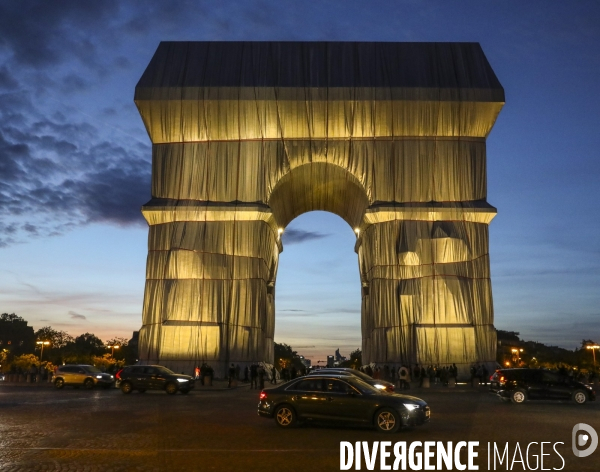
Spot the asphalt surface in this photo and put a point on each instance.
(43, 429)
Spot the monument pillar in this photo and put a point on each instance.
(209, 285)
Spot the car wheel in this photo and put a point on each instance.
(59, 383)
(387, 421)
(285, 416)
(580, 397)
(518, 396)
(126, 387)
(171, 388)
(141, 390)
(89, 384)
(185, 391)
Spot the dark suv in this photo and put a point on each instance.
(81, 375)
(519, 385)
(153, 377)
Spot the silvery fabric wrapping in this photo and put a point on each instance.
(249, 135)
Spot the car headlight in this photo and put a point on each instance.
(379, 386)
(98, 376)
(182, 380)
(411, 406)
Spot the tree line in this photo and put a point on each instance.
(21, 348)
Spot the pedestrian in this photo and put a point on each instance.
(197, 373)
(473, 372)
(479, 374)
(403, 377)
(261, 377)
(444, 376)
(274, 375)
(231, 375)
(253, 376)
(484, 374)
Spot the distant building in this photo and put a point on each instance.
(305, 362)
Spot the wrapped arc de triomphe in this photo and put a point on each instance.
(249, 135)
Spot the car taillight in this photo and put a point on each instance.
(263, 395)
(118, 374)
(391, 388)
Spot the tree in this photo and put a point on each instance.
(82, 349)
(355, 360)
(107, 363)
(119, 352)
(24, 362)
(284, 355)
(4, 367)
(89, 344)
(57, 339)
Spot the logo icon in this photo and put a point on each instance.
(584, 435)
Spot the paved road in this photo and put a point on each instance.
(42, 429)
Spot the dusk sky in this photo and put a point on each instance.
(75, 160)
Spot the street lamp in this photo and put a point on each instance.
(42, 344)
(593, 347)
(516, 354)
(113, 347)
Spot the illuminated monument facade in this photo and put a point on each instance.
(249, 135)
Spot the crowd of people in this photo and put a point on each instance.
(404, 375)
(255, 374)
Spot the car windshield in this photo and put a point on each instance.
(93, 370)
(363, 386)
(356, 373)
(360, 374)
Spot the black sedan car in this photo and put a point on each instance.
(377, 383)
(520, 385)
(340, 398)
(153, 377)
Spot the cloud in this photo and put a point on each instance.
(76, 316)
(7, 81)
(40, 33)
(57, 175)
(74, 83)
(295, 315)
(297, 236)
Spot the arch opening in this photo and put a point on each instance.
(318, 298)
